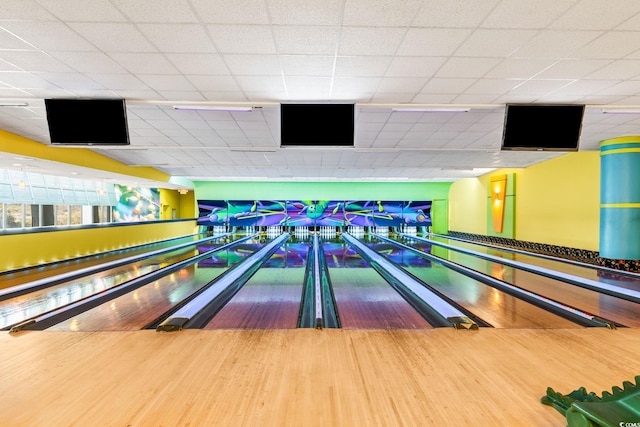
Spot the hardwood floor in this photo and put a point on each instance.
(438, 377)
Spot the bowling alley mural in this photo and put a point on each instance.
(311, 213)
(136, 204)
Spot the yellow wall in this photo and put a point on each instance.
(468, 206)
(24, 250)
(557, 202)
(184, 204)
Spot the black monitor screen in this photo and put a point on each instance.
(317, 125)
(542, 127)
(87, 121)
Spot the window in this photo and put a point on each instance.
(62, 215)
(13, 216)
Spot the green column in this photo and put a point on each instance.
(620, 198)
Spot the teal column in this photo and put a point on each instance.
(620, 198)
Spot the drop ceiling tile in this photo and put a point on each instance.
(307, 65)
(621, 69)
(622, 88)
(467, 67)
(198, 63)
(432, 41)
(5, 66)
(88, 62)
(23, 10)
(573, 68)
(9, 41)
(177, 96)
(145, 63)
(253, 65)
(257, 39)
(520, 68)
(494, 43)
(261, 84)
(34, 60)
(47, 35)
(70, 81)
(178, 38)
(119, 81)
(362, 66)
(597, 15)
(309, 40)
(539, 87)
(136, 94)
(401, 84)
(305, 12)
(414, 66)
(443, 85)
(213, 83)
(380, 13)
(164, 11)
(392, 98)
(556, 44)
(312, 88)
(229, 96)
(112, 37)
(468, 98)
(77, 10)
(457, 14)
(356, 85)
(6, 92)
(526, 14)
(431, 98)
(613, 44)
(370, 41)
(167, 82)
(241, 12)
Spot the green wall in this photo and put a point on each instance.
(321, 190)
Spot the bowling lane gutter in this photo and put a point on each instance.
(612, 290)
(533, 254)
(570, 313)
(318, 307)
(199, 310)
(57, 279)
(437, 310)
(50, 318)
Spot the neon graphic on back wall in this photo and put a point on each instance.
(310, 213)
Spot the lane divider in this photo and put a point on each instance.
(440, 309)
(570, 313)
(57, 279)
(195, 312)
(605, 288)
(73, 309)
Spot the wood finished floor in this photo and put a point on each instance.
(438, 377)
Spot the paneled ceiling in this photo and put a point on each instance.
(477, 54)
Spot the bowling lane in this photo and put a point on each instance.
(608, 307)
(20, 308)
(605, 276)
(13, 278)
(499, 309)
(363, 298)
(271, 298)
(136, 310)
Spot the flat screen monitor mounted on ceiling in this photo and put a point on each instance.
(548, 127)
(87, 121)
(316, 125)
